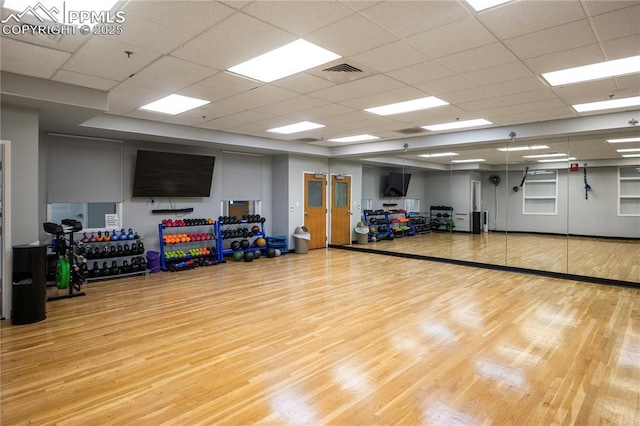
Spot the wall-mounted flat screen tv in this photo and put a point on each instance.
(166, 174)
(396, 185)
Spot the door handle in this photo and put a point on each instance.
(350, 213)
(306, 213)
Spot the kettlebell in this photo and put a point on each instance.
(140, 247)
(120, 251)
(85, 239)
(130, 236)
(126, 250)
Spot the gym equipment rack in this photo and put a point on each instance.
(239, 232)
(169, 262)
(129, 253)
(64, 248)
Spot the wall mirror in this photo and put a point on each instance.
(567, 205)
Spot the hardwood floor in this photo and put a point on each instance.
(330, 337)
(615, 259)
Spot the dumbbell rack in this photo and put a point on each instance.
(238, 225)
(123, 258)
(187, 261)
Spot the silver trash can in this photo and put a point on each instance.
(301, 239)
(362, 233)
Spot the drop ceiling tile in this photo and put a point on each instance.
(149, 35)
(105, 58)
(228, 44)
(550, 114)
(126, 97)
(360, 5)
(568, 59)
(319, 113)
(493, 113)
(289, 106)
(261, 96)
(27, 59)
(622, 47)
(598, 7)
(528, 84)
(420, 73)
(405, 18)
(350, 36)
(536, 106)
(298, 17)
(598, 90)
(552, 40)
(235, 120)
(524, 17)
(528, 97)
(190, 16)
(617, 24)
(220, 86)
(303, 83)
(452, 38)
(211, 111)
(478, 107)
(147, 115)
(341, 119)
(84, 80)
(391, 57)
(479, 58)
(446, 85)
(170, 74)
(466, 95)
(499, 74)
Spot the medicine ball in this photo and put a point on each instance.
(237, 256)
(257, 254)
(260, 242)
(255, 229)
(249, 256)
(235, 245)
(271, 252)
(244, 244)
(278, 252)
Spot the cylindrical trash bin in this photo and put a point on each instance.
(301, 237)
(362, 233)
(153, 261)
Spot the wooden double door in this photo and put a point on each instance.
(316, 211)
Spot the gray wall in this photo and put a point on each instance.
(280, 194)
(20, 126)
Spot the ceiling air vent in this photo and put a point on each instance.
(342, 73)
(307, 140)
(342, 68)
(411, 130)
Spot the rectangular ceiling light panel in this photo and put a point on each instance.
(624, 140)
(296, 128)
(174, 104)
(611, 104)
(439, 154)
(523, 148)
(544, 155)
(356, 138)
(597, 71)
(408, 106)
(473, 160)
(479, 5)
(457, 125)
(284, 61)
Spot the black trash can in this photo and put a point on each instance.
(29, 284)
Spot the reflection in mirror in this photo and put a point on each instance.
(535, 209)
(604, 225)
(239, 208)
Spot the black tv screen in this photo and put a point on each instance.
(397, 185)
(166, 174)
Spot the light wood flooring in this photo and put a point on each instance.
(615, 259)
(329, 337)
